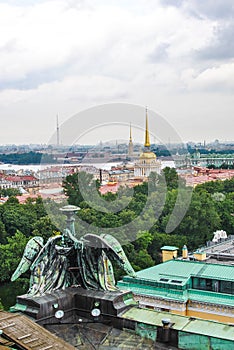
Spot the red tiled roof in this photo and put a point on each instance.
(105, 188)
(13, 178)
(20, 178)
(28, 178)
(215, 174)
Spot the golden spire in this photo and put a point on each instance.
(130, 138)
(147, 139)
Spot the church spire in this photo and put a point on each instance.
(130, 145)
(147, 139)
(130, 137)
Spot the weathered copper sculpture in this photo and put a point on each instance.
(65, 261)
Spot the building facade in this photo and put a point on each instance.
(188, 288)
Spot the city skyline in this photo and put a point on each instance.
(64, 57)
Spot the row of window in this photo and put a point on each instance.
(226, 287)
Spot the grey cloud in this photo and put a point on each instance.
(175, 3)
(34, 79)
(222, 46)
(159, 53)
(213, 9)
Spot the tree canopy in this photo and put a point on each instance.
(144, 210)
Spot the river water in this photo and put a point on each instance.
(35, 168)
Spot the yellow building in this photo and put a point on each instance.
(169, 252)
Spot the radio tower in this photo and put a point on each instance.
(130, 144)
(57, 130)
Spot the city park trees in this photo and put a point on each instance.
(204, 215)
(207, 212)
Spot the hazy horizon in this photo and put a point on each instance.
(62, 57)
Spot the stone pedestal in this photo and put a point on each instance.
(73, 304)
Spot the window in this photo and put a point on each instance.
(202, 284)
(213, 285)
(163, 309)
(176, 281)
(208, 284)
(227, 287)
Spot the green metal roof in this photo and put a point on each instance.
(169, 247)
(181, 296)
(182, 270)
(171, 281)
(218, 271)
(211, 297)
(153, 317)
(212, 329)
(181, 323)
(164, 293)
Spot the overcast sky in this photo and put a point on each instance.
(62, 57)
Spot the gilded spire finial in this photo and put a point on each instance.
(130, 137)
(147, 139)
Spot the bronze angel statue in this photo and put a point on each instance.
(66, 261)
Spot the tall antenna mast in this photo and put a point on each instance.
(57, 130)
